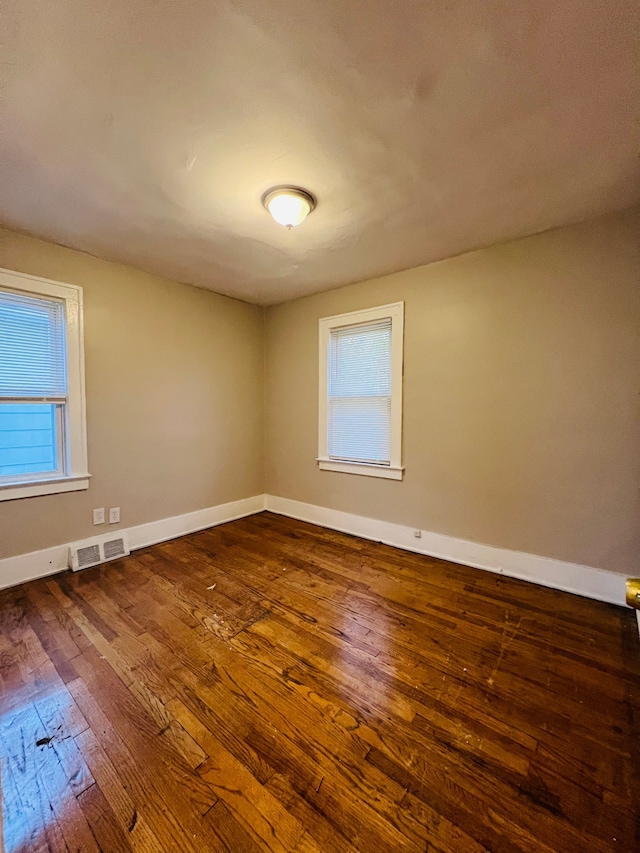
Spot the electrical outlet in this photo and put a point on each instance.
(417, 534)
(98, 515)
(114, 515)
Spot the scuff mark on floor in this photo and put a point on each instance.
(504, 647)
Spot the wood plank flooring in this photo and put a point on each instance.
(327, 694)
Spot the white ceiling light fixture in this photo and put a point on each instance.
(289, 206)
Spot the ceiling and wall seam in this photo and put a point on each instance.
(424, 131)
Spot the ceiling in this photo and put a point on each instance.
(146, 132)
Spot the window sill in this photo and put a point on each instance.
(13, 491)
(388, 472)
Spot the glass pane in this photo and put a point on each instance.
(28, 439)
(359, 404)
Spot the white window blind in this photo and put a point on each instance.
(32, 348)
(359, 393)
(33, 386)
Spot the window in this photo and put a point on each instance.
(360, 428)
(42, 409)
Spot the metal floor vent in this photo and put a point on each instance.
(101, 549)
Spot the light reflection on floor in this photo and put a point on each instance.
(35, 786)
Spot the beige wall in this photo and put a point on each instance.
(174, 379)
(521, 406)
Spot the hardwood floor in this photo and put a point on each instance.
(327, 694)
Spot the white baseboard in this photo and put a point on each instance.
(169, 528)
(39, 564)
(557, 574)
(568, 577)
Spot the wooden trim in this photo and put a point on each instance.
(587, 581)
(35, 488)
(169, 528)
(366, 468)
(39, 564)
(568, 577)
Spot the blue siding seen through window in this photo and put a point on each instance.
(28, 441)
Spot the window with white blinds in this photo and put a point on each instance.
(359, 399)
(361, 392)
(42, 432)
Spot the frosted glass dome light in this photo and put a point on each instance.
(289, 206)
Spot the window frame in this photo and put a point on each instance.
(395, 312)
(75, 474)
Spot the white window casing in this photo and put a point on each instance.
(360, 392)
(65, 380)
